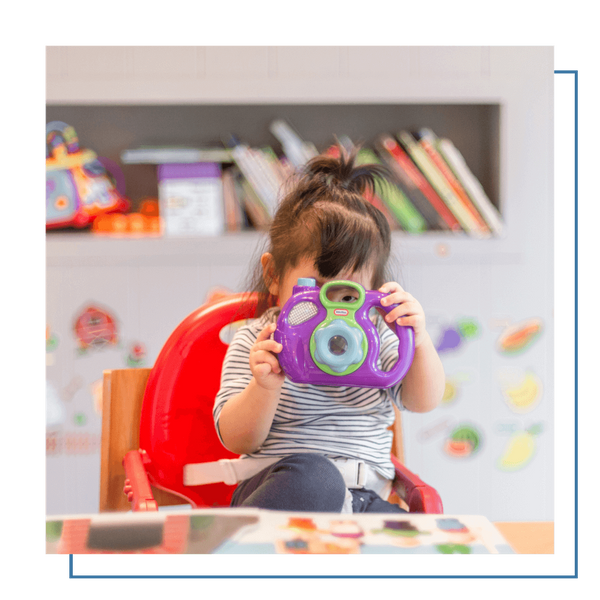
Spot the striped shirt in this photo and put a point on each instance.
(339, 422)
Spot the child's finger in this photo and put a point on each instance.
(396, 298)
(402, 310)
(390, 286)
(269, 346)
(262, 370)
(263, 357)
(265, 334)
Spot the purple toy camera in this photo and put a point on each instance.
(333, 341)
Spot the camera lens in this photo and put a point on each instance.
(338, 345)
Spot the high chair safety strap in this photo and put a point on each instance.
(356, 473)
(353, 471)
(228, 471)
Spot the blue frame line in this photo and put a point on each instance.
(576, 320)
(313, 577)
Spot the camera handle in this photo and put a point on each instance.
(406, 341)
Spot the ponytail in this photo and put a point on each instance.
(337, 178)
(325, 215)
(343, 172)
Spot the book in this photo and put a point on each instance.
(267, 162)
(282, 168)
(257, 531)
(255, 210)
(427, 140)
(461, 211)
(298, 151)
(407, 216)
(414, 184)
(173, 154)
(433, 187)
(471, 184)
(234, 213)
(250, 164)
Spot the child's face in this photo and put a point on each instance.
(306, 268)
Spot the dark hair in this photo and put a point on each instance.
(325, 214)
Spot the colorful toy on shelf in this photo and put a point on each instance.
(327, 341)
(146, 222)
(78, 187)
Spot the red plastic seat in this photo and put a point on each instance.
(177, 427)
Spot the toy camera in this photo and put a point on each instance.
(332, 342)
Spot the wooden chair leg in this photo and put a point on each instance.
(122, 396)
(397, 441)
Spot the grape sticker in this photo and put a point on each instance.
(453, 337)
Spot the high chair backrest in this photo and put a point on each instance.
(176, 423)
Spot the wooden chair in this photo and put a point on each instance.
(122, 396)
(156, 421)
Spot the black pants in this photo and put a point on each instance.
(305, 482)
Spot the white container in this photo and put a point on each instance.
(191, 199)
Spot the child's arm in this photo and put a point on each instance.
(424, 384)
(246, 418)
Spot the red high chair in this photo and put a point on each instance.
(147, 444)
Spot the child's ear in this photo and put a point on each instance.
(268, 266)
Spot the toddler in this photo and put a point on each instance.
(312, 447)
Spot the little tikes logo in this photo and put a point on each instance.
(341, 312)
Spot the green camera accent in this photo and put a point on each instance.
(349, 318)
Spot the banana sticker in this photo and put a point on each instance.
(520, 449)
(522, 393)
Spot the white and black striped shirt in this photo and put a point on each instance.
(339, 422)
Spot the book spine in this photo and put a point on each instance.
(157, 155)
(243, 159)
(280, 169)
(402, 208)
(427, 140)
(255, 209)
(233, 209)
(439, 184)
(416, 186)
(471, 184)
(374, 198)
(295, 148)
(396, 204)
(268, 175)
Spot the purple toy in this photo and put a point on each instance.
(327, 342)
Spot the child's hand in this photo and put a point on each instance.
(410, 312)
(263, 363)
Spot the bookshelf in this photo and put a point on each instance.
(474, 129)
